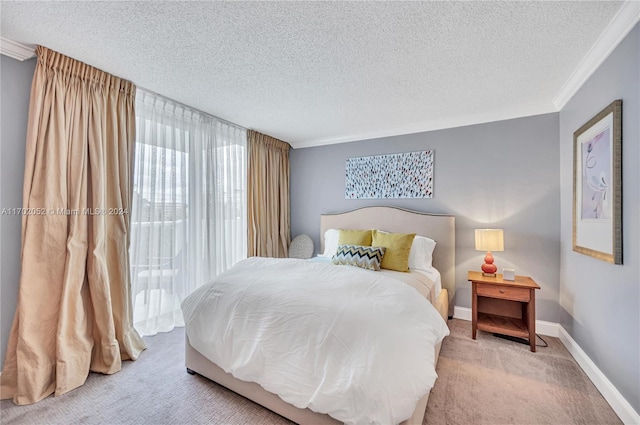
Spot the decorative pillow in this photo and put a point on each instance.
(330, 242)
(367, 257)
(421, 256)
(355, 237)
(398, 247)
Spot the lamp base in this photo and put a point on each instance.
(488, 268)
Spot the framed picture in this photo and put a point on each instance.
(400, 175)
(597, 186)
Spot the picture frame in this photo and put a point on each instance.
(390, 176)
(597, 186)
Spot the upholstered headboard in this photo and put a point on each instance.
(441, 228)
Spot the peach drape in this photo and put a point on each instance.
(74, 307)
(268, 216)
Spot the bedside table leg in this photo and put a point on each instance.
(474, 310)
(531, 318)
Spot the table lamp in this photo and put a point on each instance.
(489, 240)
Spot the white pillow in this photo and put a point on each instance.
(331, 238)
(421, 255)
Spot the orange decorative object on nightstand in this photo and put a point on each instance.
(489, 240)
(488, 266)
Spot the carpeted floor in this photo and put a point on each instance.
(495, 381)
(487, 381)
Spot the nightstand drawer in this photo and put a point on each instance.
(504, 292)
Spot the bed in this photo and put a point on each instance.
(441, 228)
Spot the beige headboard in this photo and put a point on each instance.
(441, 228)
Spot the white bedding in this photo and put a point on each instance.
(432, 273)
(355, 344)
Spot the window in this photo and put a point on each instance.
(188, 218)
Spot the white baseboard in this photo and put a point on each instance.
(463, 313)
(542, 327)
(617, 402)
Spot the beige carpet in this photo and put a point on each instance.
(487, 381)
(495, 381)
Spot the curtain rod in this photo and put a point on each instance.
(191, 107)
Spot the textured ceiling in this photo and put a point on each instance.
(312, 73)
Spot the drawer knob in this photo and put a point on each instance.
(502, 291)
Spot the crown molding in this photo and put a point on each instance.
(621, 24)
(15, 50)
(433, 125)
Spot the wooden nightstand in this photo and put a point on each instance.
(503, 306)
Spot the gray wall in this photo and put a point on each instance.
(502, 174)
(600, 302)
(15, 82)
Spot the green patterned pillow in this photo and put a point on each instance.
(367, 257)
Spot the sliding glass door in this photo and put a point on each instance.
(188, 218)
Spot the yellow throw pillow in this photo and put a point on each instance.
(355, 237)
(398, 248)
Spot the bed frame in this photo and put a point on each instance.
(441, 228)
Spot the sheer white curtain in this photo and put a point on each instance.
(188, 218)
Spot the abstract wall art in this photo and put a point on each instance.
(401, 175)
(597, 186)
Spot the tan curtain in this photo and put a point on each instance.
(269, 228)
(74, 307)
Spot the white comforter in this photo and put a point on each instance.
(352, 343)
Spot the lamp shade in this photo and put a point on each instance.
(489, 240)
